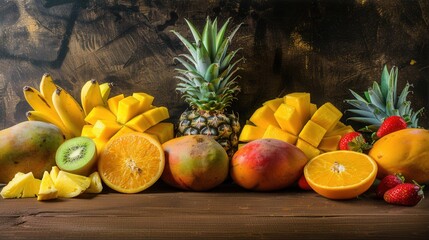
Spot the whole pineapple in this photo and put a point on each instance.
(208, 84)
(381, 101)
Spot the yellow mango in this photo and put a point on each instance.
(250, 133)
(124, 129)
(139, 123)
(309, 150)
(301, 102)
(263, 117)
(273, 104)
(339, 131)
(329, 143)
(156, 115)
(99, 144)
(87, 131)
(312, 133)
(327, 116)
(277, 133)
(127, 109)
(164, 131)
(99, 112)
(145, 101)
(105, 129)
(288, 119)
(113, 103)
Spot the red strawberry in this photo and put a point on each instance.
(391, 124)
(353, 141)
(388, 182)
(407, 194)
(303, 184)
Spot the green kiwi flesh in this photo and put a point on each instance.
(77, 155)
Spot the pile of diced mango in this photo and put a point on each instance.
(296, 120)
(134, 113)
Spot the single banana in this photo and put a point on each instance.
(105, 91)
(42, 116)
(90, 96)
(36, 100)
(69, 110)
(47, 88)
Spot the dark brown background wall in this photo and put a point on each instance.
(322, 47)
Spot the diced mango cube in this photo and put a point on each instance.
(145, 101)
(307, 148)
(273, 104)
(99, 144)
(250, 133)
(156, 115)
(339, 131)
(301, 102)
(99, 112)
(277, 133)
(127, 109)
(329, 143)
(288, 119)
(87, 131)
(163, 130)
(113, 103)
(124, 129)
(139, 123)
(105, 129)
(312, 133)
(327, 116)
(263, 117)
(313, 109)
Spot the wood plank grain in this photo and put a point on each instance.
(226, 212)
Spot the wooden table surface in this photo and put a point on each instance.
(227, 212)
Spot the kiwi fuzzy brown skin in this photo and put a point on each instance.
(82, 163)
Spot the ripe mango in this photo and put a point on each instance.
(28, 146)
(195, 163)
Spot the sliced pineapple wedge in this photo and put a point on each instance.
(70, 185)
(95, 185)
(21, 186)
(47, 189)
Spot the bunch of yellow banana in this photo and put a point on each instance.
(55, 105)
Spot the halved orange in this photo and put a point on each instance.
(341, 174)
(131, 162)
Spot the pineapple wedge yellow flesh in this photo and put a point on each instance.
(273, 104)
(309, 150)
(113, 103)
(16, 186)
(32, 188)
(145, 101)
(47, 189)
(127, 109)
(277, 133)
(288, 119)
(329, 144)
(105, 129)
(327, 116)
(70, 185)
(54, 172)
(263, 117)
(164, 131)
(250, 133)
(95, 186)
(99, 113)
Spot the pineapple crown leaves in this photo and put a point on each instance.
(207, 82)
(381, 101)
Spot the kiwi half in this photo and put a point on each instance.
(77, 155)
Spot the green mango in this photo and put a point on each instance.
(28, 146)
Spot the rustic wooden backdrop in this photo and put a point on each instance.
(323, 47)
